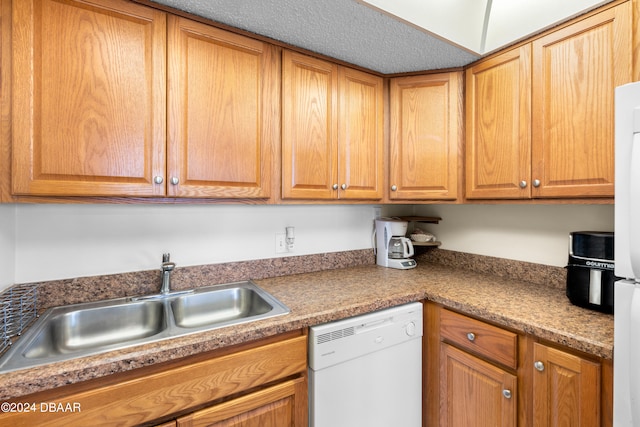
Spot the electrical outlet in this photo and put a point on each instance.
(281, 243)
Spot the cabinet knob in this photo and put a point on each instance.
(394, 188)
(506, 393)
(158, 179)
(343, 186)
(539, 366)
(471, 336)
(174, 180)
(523, 184)
(335, 186)
(536, 183)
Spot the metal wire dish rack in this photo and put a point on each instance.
(5, 341)
(18, 309)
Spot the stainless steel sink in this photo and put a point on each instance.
(219, 307)
(67, 332)
(89, 328)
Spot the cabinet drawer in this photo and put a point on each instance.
(489, 341)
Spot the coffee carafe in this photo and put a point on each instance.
(400, 247)
(393, 249)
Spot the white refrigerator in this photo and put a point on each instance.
(626, 349)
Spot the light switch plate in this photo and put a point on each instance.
(281, 243)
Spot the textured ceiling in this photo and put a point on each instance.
(343, 29)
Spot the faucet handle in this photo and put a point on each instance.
(166, 264)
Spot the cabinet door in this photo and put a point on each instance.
(498, 143)
(360, 135)
(566, 389)
(89, 98)
(223, 112)
(5, 101)
(309, 131)
(474, 392)
(575, 72)
(282, 405)
(425, 137)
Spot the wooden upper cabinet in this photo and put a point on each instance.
(332, 132)
(425, 137)
(566, 389)
(575, 71)
(540, 117)
(360, 135)
(309, 137)
(498, 142)
(5, 101)
(223, 97)
(89, 98)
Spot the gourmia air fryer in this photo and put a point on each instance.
(590, 271)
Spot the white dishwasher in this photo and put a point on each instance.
(367, 370)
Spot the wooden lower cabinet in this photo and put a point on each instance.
(469, 381)
(254, 384)
(474, 392)
(283, 405)
(566, 389)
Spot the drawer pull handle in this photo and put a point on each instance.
(506, 393)
(539, 366)
(471, 336)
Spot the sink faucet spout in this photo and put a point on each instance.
(167, 268)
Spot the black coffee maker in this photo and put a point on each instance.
(590, 271)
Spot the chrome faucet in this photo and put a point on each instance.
(167, 268)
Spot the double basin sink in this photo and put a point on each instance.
(77, 330)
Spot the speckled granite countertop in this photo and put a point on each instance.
(324, 296)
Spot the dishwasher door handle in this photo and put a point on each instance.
(379, 323)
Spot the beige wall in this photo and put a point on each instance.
(534, 233)
(47, 242)
(65, 241)
(7, 245)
